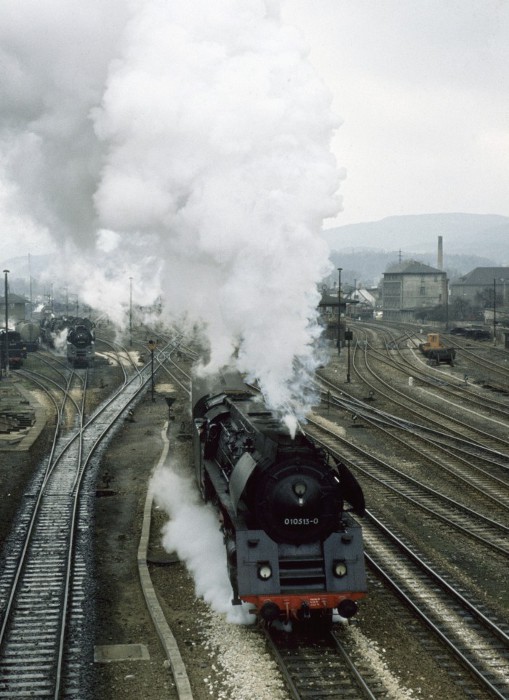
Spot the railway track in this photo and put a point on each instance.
(482, 473)
(466, 628)
(479, 644)
(480, 648)
(368, 467)
(430, 414)
(321, 666)
(74, 641)
(42, 584)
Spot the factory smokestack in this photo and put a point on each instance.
(440, 256)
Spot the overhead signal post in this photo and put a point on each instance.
(348, 338)
(152, 345)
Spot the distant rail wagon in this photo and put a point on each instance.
(436, 352)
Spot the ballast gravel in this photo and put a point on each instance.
(243, 668)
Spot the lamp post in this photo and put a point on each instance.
(6, 349)
(348, 338)
(152, 346)
(30, 285)
(339, 310)
(494, 311)
(130, 312)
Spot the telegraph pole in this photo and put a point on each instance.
(6, 350)
(130, 312)
(494, 311)
(348, 337)
(339, 310)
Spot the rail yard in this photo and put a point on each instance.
(92, 606)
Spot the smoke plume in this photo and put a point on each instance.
(184, 145)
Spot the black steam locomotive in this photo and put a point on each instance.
(74, 333)
(14, 349)
(292, 549)
(81, 343)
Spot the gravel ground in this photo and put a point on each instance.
(223, 660)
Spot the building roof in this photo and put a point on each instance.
(412, 267)
(13, 299)
(484, 276)
(331, 299)
(363, 296)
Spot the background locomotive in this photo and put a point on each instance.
(74, 333)
(30, 334)
(292, 549)
(81, 343)
(15, 349)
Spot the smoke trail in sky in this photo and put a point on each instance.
(185, 145)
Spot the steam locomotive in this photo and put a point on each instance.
(81, 343)
(30, 334)
(293, 550)
(14, 349)
(74, 333)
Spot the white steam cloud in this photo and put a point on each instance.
(185, 145)
(193, 533)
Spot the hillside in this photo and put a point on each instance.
(483, 235)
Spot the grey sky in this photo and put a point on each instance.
(422, 87)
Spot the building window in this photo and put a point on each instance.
(423, 291)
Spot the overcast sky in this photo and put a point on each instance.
(422, 88)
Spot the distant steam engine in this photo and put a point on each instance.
(73, 334)
(292, 549)
(81, 343)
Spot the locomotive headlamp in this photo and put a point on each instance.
(299, 489)
(339, 569)
(264, 571)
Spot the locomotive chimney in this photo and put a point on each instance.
(440, 256)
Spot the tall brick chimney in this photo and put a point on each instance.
(440, 256)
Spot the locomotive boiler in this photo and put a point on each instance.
(81, 343)
(294, 551)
